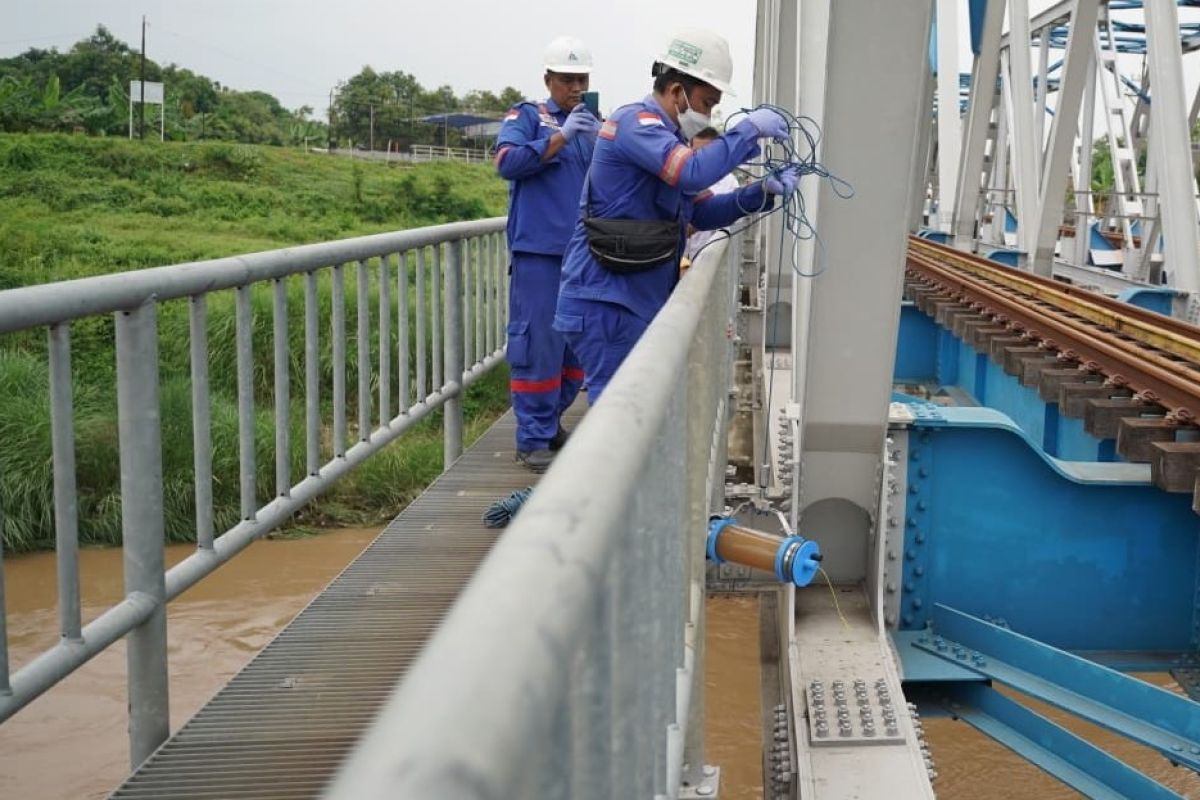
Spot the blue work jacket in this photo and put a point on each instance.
(543, 195)
(643, 169)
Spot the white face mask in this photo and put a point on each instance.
(692, 121)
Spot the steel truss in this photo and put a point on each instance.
(1041, 92)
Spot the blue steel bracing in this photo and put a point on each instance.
(978, 9)
(1065, 756)
(1155, 717)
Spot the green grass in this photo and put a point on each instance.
(72, 207)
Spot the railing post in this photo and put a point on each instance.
(142, 525)
(66, 510)
(5, 684)
(452, 421)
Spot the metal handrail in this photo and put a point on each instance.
(569, 667)
(446, 284)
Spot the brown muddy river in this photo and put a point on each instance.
(71, 743)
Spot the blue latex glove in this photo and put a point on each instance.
(580, 120)
(769, 124)
(782, 182)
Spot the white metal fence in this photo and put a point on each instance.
(425, 152)
(443, 288)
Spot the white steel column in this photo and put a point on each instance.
(1170, 143)
(979, 115)
(1126, 202)
(814, 43)
(921, 204)
(877, 64)
(1052, 198)
(1084, 207)
(949, 127)
(997, 196)
(1041, 90)
(874, 74)
(1019, 104)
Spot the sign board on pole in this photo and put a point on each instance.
(154, 92)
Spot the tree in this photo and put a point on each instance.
(510, 97)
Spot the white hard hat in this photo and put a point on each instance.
(702, 54)
(568, 54)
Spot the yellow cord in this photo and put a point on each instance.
(836, 605)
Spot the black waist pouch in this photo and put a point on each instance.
(631, 245)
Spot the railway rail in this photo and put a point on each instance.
(1133, 374)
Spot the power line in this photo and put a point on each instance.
(237, 57)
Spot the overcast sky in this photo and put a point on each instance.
(299, 49)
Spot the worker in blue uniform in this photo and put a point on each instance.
(643, 170)
(544, 149)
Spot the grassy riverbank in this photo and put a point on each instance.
(74, 206)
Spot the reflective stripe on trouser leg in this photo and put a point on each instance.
(535, 349)
(572, 379)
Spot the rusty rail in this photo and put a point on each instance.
(1165, 333)
(1156, 357)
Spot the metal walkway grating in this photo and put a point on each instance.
(282, 726)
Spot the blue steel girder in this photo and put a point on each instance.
(1085, 556)
(1065, 756)
(1155, 717)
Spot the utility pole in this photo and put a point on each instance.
(142, 110)
(332, 140)
(371, 140)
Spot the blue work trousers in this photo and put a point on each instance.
(601, 334)
(545, 377)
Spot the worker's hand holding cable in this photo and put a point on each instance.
(783, 182)
(769, 123)
(580, 120)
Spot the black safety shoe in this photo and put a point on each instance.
(560, 439)
(535, 460)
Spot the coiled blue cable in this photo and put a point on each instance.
(501, 512)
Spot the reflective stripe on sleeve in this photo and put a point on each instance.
(673, 167)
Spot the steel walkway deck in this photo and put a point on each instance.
(281, 727)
